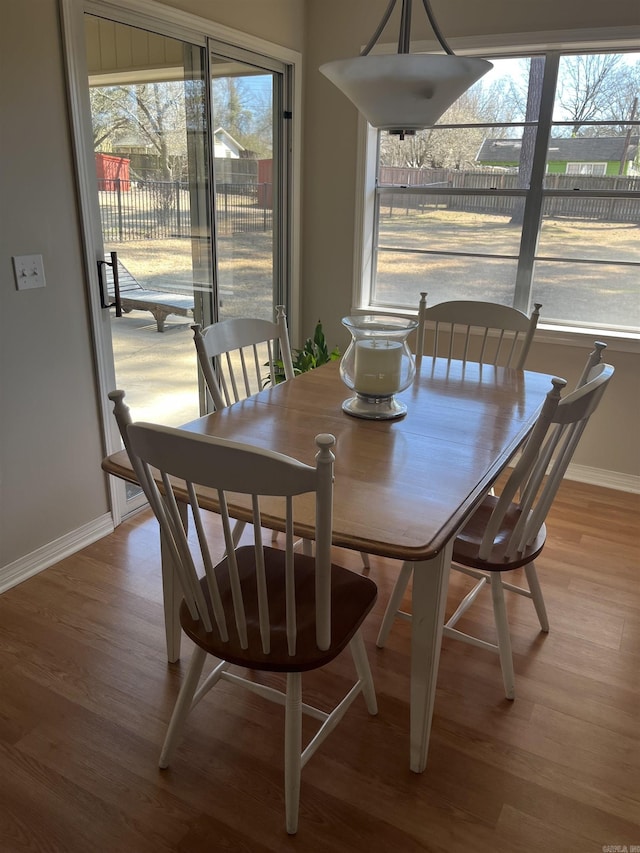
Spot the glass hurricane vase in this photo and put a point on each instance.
(377, 365)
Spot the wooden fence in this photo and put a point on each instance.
(609, 209)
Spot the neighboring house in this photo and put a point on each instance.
(234, 163)
(594, 155)
(225, 145)
(144, 162)
(127, 144)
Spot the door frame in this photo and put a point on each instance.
(173, 23)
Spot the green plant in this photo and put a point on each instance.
(314, 353)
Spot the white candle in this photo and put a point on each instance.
(377, 367)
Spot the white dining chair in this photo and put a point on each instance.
(241, 356)
(122, 414)
(593, 360)
(508, 532)
(260, 608)
(483, 332)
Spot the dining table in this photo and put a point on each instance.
(403, 487)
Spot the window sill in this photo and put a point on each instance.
(583, 337)
(546, 333)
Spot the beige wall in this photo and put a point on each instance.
(50, 447)
(49, 430)
(336, 30)
(278, 21)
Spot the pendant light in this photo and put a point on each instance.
(405, 92)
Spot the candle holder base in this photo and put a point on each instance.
(374, 408)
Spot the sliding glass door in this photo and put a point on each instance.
(250, 123)
(185, 187)
(148, 96)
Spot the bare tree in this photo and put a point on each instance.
(627, 92)
(595, 87)
(245, 111)
(525, 164)
(159, 117)
(107, 116)
(443, 147)
(152, 113)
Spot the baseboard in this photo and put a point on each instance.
(46, 556)
(606, 479)
(598, 477)
(53, 552)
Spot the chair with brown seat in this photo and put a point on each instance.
(508, 532)
(260, 608)
(483, 332)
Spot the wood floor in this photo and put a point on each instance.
(86, 693)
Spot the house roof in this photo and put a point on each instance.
(131, 140)
(223, 135)
(588, 149)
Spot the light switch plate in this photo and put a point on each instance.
(28, 271)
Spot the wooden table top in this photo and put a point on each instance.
(402, 488)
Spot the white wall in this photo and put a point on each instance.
(338, 30)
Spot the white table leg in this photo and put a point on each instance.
(172, 597)
(429, 596)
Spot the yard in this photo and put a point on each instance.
(142, 355)
(159, 371)
(592, 290)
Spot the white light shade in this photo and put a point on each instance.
(404, 91)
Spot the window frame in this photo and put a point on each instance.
(598, 170)
(553, 47)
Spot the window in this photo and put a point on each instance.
(527, 190)
(586, 168)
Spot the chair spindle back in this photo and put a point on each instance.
(544, 461)
(595, 358)
(238, 356)
(483, 332)
(188, 462)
